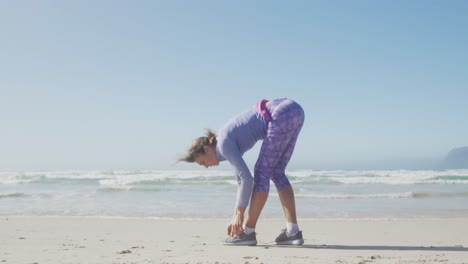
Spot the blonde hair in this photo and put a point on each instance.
(198, 146)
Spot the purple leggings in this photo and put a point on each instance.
(278, 145)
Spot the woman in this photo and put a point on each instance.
(277, 123)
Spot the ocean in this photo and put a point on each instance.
(339, 194)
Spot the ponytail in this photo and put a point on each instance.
(198, 146)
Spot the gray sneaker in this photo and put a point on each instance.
(242, 240)
(284, 239)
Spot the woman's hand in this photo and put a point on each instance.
(235, 227)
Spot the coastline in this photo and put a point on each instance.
(64, 239)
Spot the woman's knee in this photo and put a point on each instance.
(261, 185)
(281, 182)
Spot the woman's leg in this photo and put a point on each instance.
(262, 173)
(295, 120)
(285, 190)
(257, 202)
(274, 155)
(288, 202)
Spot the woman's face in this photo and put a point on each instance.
(208, 159)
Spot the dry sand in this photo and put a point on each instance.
(49, 240)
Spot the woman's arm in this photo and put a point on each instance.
(236, 225)
(245, 186)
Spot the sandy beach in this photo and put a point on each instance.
(40, 239)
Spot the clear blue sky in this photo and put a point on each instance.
(129, 84)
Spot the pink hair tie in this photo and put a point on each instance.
(262, 109)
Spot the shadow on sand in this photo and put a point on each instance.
(363, 247)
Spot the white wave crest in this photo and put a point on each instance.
(13, 195)
(356, 196)
(127, 178)
(384, 176)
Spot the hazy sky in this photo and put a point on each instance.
(129, 84)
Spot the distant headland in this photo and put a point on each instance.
(456, 158)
